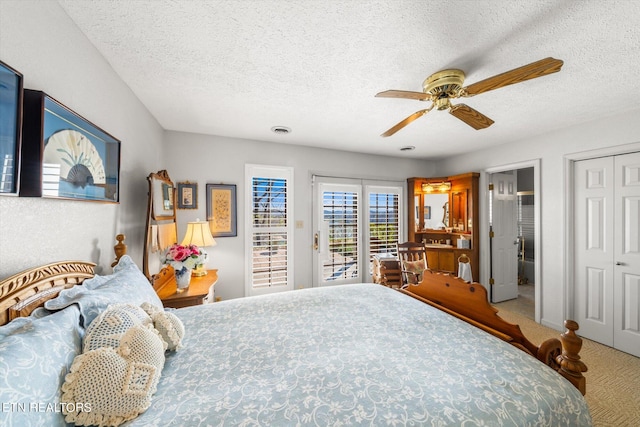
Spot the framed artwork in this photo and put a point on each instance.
(66, 156)
(187, 195)
(221, 210)
(427, 212)
(10, 128)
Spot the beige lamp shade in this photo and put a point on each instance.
(199, 234)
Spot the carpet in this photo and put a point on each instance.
(613, 378)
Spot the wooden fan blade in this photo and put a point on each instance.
(420, 96)
(406, 121)
(526, 72)
(470, 116)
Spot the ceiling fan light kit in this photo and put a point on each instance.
(441, 87)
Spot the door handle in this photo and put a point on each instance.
(620, 263)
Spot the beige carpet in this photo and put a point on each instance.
(613, 378)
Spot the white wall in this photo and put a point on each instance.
(214, 159)
(38, 39)
(617, 132)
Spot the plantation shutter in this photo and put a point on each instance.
(270, 229)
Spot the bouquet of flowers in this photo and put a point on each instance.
(184, 257)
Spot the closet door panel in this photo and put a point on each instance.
(626, 259)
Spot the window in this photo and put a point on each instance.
(269, 192)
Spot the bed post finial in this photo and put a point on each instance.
(120, 249)
(571, 367)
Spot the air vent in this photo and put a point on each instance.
(281, 130)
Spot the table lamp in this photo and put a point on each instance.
(199, 234)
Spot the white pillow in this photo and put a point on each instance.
(117, 384)
(168, 325)
(108, 328)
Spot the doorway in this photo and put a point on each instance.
(512, 236)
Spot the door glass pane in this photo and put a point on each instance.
(383, 224)
(340, 212)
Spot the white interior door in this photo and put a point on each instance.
(504, 243)
(626, 254)
(593, 248)
(607, 250)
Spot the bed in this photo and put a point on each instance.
(358, 354)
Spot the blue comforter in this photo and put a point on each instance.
(351, 355)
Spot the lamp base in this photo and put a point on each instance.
(199, 271)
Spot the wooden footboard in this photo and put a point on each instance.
(469, 302)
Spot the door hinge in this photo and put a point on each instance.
(491, 187)
(491, 281)
(491, 234)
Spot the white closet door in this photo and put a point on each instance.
(607, 250)
(626, 332)
(594, 248)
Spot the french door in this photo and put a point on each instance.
(353, 221)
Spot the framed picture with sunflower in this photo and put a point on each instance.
(221, 210)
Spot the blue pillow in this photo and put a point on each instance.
(127, 284)
(35, 355)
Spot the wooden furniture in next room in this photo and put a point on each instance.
(386, 271)
(200, 290)
(443, 214)
(413, 261)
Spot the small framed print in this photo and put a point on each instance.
(187, 195)
(221, 210)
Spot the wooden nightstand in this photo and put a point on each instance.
(199, 292)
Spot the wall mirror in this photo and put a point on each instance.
(163, 196)
(162, 230)
(459, 210)
(436, 211)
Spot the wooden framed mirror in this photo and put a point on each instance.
(162, 229)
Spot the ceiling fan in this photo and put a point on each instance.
(441, 87)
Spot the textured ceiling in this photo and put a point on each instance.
(238, 68)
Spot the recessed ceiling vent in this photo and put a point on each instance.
(408, 148)
(281, 130)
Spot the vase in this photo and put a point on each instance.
(183, 278)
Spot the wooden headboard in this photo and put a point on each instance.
(22, 293)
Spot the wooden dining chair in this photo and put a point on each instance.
(413, 261)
